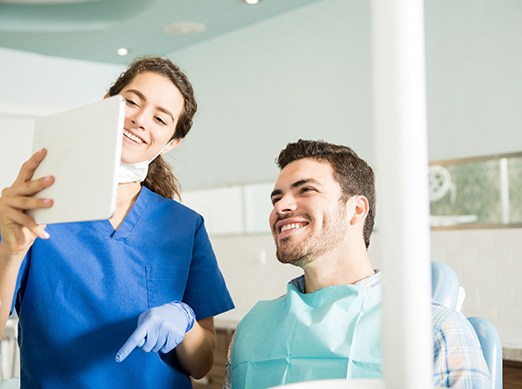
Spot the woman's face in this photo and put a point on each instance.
(154, 106)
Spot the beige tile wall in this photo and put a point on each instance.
(488, 263)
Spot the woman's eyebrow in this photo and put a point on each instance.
(142, 96)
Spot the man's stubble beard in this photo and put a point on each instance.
(304, 251)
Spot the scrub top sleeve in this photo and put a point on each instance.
(20, 284)
(206, 292)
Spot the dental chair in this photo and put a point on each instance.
(446, 290)
(445, 286)
(491, 348)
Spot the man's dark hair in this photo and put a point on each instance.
(352, 173)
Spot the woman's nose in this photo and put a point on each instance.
(137, 118)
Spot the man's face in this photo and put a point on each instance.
(308, 219)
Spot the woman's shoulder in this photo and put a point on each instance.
(171, 204)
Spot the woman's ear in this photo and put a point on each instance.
(361, 207)
(171, 145)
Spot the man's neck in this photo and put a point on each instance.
(331, 269)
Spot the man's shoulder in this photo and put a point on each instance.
(444, 318)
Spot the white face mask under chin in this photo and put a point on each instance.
(132, 172)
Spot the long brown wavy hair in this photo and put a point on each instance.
(160, 177)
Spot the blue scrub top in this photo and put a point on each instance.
(80, 293)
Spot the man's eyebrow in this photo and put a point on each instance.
(142, 96)
(276, 192)
(304, 181)
(297, 184)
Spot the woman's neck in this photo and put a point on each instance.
(127, 194)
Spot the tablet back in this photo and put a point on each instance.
(83, 154)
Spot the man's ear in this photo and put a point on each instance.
(171, 145)
(361, 207)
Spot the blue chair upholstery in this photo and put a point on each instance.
(445, 290)
(444, 285)
(491, 348)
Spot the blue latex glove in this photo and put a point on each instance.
(159, 329)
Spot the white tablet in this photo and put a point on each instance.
(83, 154)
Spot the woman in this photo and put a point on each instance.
(81, 287)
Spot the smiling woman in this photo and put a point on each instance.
(170, 113)
(146, 278)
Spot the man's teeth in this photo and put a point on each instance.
(133, 137)
(290, 226)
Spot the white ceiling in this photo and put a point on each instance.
(94, 29)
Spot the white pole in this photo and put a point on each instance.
(402, 191)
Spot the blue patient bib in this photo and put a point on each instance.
(334, 332)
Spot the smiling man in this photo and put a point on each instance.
(328, 325)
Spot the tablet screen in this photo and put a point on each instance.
(83, 154)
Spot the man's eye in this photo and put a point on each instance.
(275, 200)
(307, 189)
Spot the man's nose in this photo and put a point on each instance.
(285, 204)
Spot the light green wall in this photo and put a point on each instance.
(303, 74)
(307, 74)
(41, 84)
(474, 67)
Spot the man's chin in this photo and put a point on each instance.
(292, 258)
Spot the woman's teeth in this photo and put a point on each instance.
(132, 137)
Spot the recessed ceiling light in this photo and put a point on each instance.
(251, 2)
(122, 51)
(184, 28)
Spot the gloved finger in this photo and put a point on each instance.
(136, 338)
(150, 341)
(160, 342)
(173, 339)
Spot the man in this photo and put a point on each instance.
(328, 324)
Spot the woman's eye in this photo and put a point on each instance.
(131, 102)
(161, 120)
